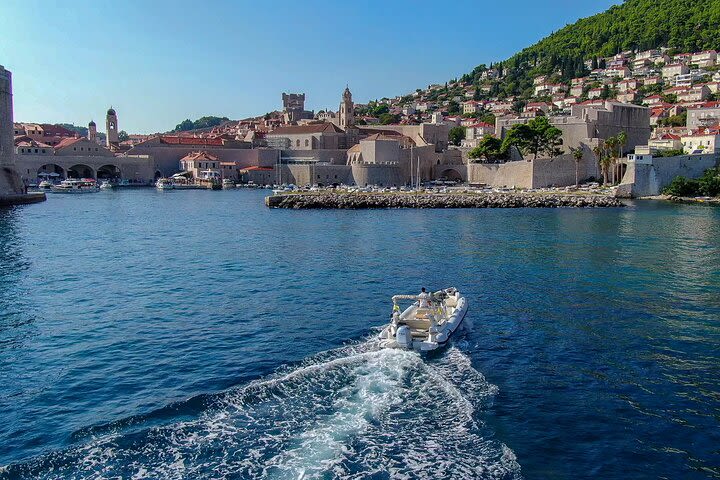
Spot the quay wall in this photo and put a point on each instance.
(649, 178)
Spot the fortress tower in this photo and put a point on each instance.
(293, 106)
(111, 125)
(347, 110)
(10, 182)
(92, 131)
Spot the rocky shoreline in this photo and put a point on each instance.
(432, 200)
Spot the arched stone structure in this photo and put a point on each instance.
(80, 170)
(109, 172)
(450, 174)
(51, 168)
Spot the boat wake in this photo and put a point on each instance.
(353, 412)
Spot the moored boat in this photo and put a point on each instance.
(74, 185)
(428, 323)
(106, 185)
(164, 184)
(227, 184)
(45, 185)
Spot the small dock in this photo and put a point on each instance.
(22, 199)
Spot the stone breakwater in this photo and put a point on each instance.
(430, 200)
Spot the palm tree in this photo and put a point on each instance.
(611, 158)
(599, 154)
(577, 154)
(604, 157)
(622, 139)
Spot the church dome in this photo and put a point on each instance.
(91, 124)
(111, 111)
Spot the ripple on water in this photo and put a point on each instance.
(348, 412)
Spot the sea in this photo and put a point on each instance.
(199, 334)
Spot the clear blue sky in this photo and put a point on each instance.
(159, 62)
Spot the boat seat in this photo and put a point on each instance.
(417, 323)
(451, 302)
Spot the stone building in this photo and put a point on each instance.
(43, 132)
(590, 123)
(199, 162)
(317, 136)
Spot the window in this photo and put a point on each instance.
(43, 150)
(297, 142)
(307, 142)
(36, 150)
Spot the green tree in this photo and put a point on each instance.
(123, 135)
(388, 118)
(577, 153)
(453, 108)
(184, 126)
(536, 137)
(674, 120)
(456, 135)
(489, 149)
(669, 98)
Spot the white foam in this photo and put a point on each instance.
(347, 412)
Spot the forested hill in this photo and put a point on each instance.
(683, 25)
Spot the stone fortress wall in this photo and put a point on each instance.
(648, 176)
(10, 182)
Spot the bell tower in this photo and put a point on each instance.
(92, 131)
(347, 110)
(111, 124)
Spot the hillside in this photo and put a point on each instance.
(682, 25)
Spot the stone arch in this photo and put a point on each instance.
(51, 168)
(451, 174)
(80, 171)
(109, 172)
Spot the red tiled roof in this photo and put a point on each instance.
(66, 142)
(325, 127)
(256, 168)
(56, 131)
(178, 140)
(200, 156)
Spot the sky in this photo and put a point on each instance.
(159, 62)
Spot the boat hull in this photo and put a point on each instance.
(430, 337)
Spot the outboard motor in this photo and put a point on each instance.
(403, 337)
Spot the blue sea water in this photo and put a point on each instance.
(198, 334)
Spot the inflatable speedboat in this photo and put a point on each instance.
(428, 323)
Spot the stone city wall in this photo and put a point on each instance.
(643, 179)
(510, 174)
